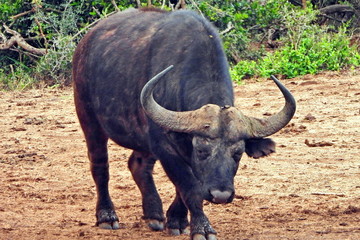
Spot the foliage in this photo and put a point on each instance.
(19, 79)
(240, 21)
(248, 29)
(9, 8)
(47, 25)
(313, 53)
(56, 25)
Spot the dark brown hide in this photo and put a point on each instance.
(111, 66)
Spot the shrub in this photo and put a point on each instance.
(325, 52)
(57, 25)
(242, 20)
(307, 49)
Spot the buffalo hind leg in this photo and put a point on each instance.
(97, 152)
(96, 141)
(141, 166)
(177, 221)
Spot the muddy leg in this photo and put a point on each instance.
(177, 221)
(96, 141)
(97, 152)
(190, 192)
(141, 166)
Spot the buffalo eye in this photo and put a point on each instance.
(202, 153)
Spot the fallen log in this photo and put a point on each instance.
(18, 40)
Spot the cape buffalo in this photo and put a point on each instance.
(185, 117)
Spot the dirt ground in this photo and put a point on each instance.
(308, 189)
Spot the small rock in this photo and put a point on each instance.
(293, 195)
(318, 144)
(309, 118)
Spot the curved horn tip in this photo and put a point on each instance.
(150, 85)
(279, 120)
(274, 78)
(163, 72)
(158, 76)
(287, 94)
(167, 69)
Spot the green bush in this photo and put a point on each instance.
(54, 25)
(10, 8)
(241, 22)
(312, 55)
(49, 27)
(307, 49)
(245, 26)
(17, 79)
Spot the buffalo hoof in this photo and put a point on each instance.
(107, 219)
(112, 226)
(202, 237)
(155, 225)
(177, 232)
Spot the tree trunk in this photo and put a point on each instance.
(303, 3)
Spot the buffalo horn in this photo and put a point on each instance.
(265, 127)
(187, 121)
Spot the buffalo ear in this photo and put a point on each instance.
(258, 148)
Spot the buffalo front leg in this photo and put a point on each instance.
(189, 190)
(177, 221)
(141, 166)
(97, 152)
(200, 228)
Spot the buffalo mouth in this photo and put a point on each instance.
(220, 197)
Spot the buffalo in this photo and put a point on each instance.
(183, 116)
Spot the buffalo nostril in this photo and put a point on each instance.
(220, 196)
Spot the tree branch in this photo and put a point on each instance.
(303, 3)
(197, 7)
(115, 6)
(90, 25)
(296, 2)
(229, 27)
(97, 12)
(183, 4)
(20, 41)
(163, 4)
(23, 14)
(41, 31)
(180, 4)
(337, 8)
(32, 11)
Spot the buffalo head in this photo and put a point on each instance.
(220, 136)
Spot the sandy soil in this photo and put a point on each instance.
(309, 189)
